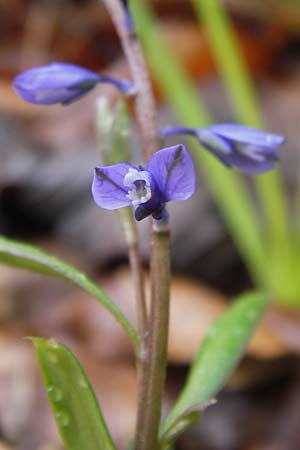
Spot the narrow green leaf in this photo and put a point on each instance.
(217, 356)
(184, 422)
(72, 399)
(33, 258)
(241, 90)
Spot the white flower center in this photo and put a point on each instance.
(139, 184)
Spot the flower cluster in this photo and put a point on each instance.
(249, 150)
(169, 175)
(62, 83)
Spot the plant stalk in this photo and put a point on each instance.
(144, 101)
(130, 232)
(149, 415)
(153, 356)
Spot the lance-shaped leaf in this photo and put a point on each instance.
(72, 399)
(217, 357)
(32, 258)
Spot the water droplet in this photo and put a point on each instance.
(52, 343)
(81, 277)
(82, 383)
(55, 393)
(63, 418)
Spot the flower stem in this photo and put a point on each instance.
(130, 232)
(149, 413)
(153, 355)
(144, 100)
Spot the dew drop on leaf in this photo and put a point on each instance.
(82, 383)
(55, 393)
(63, 418)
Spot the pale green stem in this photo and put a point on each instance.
(149, 417)
(130, 232)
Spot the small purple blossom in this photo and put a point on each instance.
(61, 83)
(249, 150)
(169, 175)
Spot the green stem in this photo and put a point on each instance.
(149, 417)
(153, 355)
(130, 232)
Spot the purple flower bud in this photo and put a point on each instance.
(169, 175)
(247, 149)
(128, 17)
(61, 83)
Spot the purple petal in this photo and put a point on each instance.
(247, 165)
(54, 83)
(170, 131)
(243, 134)
(212, 141)
(125, 86)
(174, 172)
(62, 83)
(108, 188)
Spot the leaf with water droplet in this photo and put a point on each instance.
(216, 359)
(73, 402)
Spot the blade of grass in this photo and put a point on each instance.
(237, 80)
(229, 188)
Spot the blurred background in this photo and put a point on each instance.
(47, 157)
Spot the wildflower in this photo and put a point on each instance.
(249, 150)
(61, 83)
(169, 175)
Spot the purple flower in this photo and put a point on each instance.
(61, 83)
(249, 150)
(169, 175)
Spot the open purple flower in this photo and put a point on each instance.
(169, 175)
(61, 83)
(249, 150)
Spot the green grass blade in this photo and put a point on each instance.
(228, 187)
(34, 259)
(242, 94)
(72, 399)
(217, 357)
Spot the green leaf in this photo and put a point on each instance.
(241, 90)
(33, 258)
(72, 399)
(216, 359)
